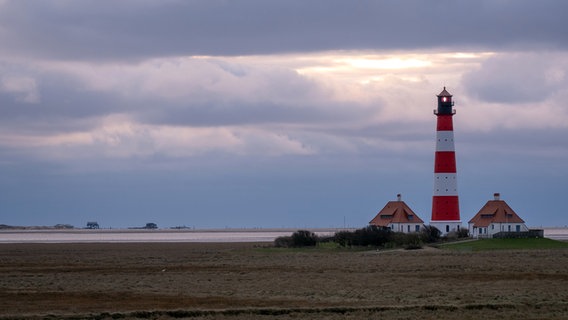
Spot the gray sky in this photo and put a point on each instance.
(276, 113)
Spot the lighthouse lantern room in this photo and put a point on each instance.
(445, 202)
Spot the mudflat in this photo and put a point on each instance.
(255, 281)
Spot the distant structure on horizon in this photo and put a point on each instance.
(397, 216)
(445, 201)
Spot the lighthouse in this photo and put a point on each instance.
(445, 202)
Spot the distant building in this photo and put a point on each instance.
(92, 225)
(398, 217)
(496, 216)
(151, 225)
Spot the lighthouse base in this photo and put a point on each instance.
(447, 226)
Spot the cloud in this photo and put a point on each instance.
(199, 91)
(23, 88)
(330, 104)
(519, 78)
(139, 30)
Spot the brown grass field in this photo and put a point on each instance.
(248, 281)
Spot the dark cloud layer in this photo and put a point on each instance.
(137, 30)
(104, 117)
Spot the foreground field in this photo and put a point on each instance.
(243, 281)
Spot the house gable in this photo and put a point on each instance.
(395, 212)
(495, 211)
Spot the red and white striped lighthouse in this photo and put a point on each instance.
(445, 202)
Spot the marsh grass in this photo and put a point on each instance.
(251, 281)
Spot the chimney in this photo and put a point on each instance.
(497, 196)
(398, 197)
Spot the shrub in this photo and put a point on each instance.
(283, 242)
(412, 241)
(430, 234)
(300, 238)
(463, 233)
(368, 236)
(407, 241)
(344, 238)
(304, 238)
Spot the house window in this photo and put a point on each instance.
(417, 228)
(509, 228)
(408, 229)
(492, 227)
(518, 228)
(447, 228)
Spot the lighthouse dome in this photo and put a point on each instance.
(444, 93)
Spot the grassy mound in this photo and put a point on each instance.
(506, 244)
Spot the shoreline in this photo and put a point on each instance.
(179, 235)
(146, 235)
(172, 230)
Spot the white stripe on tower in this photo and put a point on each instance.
(445, 141)
(445, 184)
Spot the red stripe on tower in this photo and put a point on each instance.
(445, 202)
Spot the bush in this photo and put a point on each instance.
(463, 233)
(412, 241)
(300, 238)
(304, 238)
(407, 241)
(431, 234)
(283, 242)
(344, 238)
(457, 234)
(368, 236)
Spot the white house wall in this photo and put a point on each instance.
(494, 228)
(406, 227)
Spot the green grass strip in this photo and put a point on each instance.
(506, 244)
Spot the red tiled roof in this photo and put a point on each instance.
(495, 211)
(395, 212)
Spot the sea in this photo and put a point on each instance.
(175, 235)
